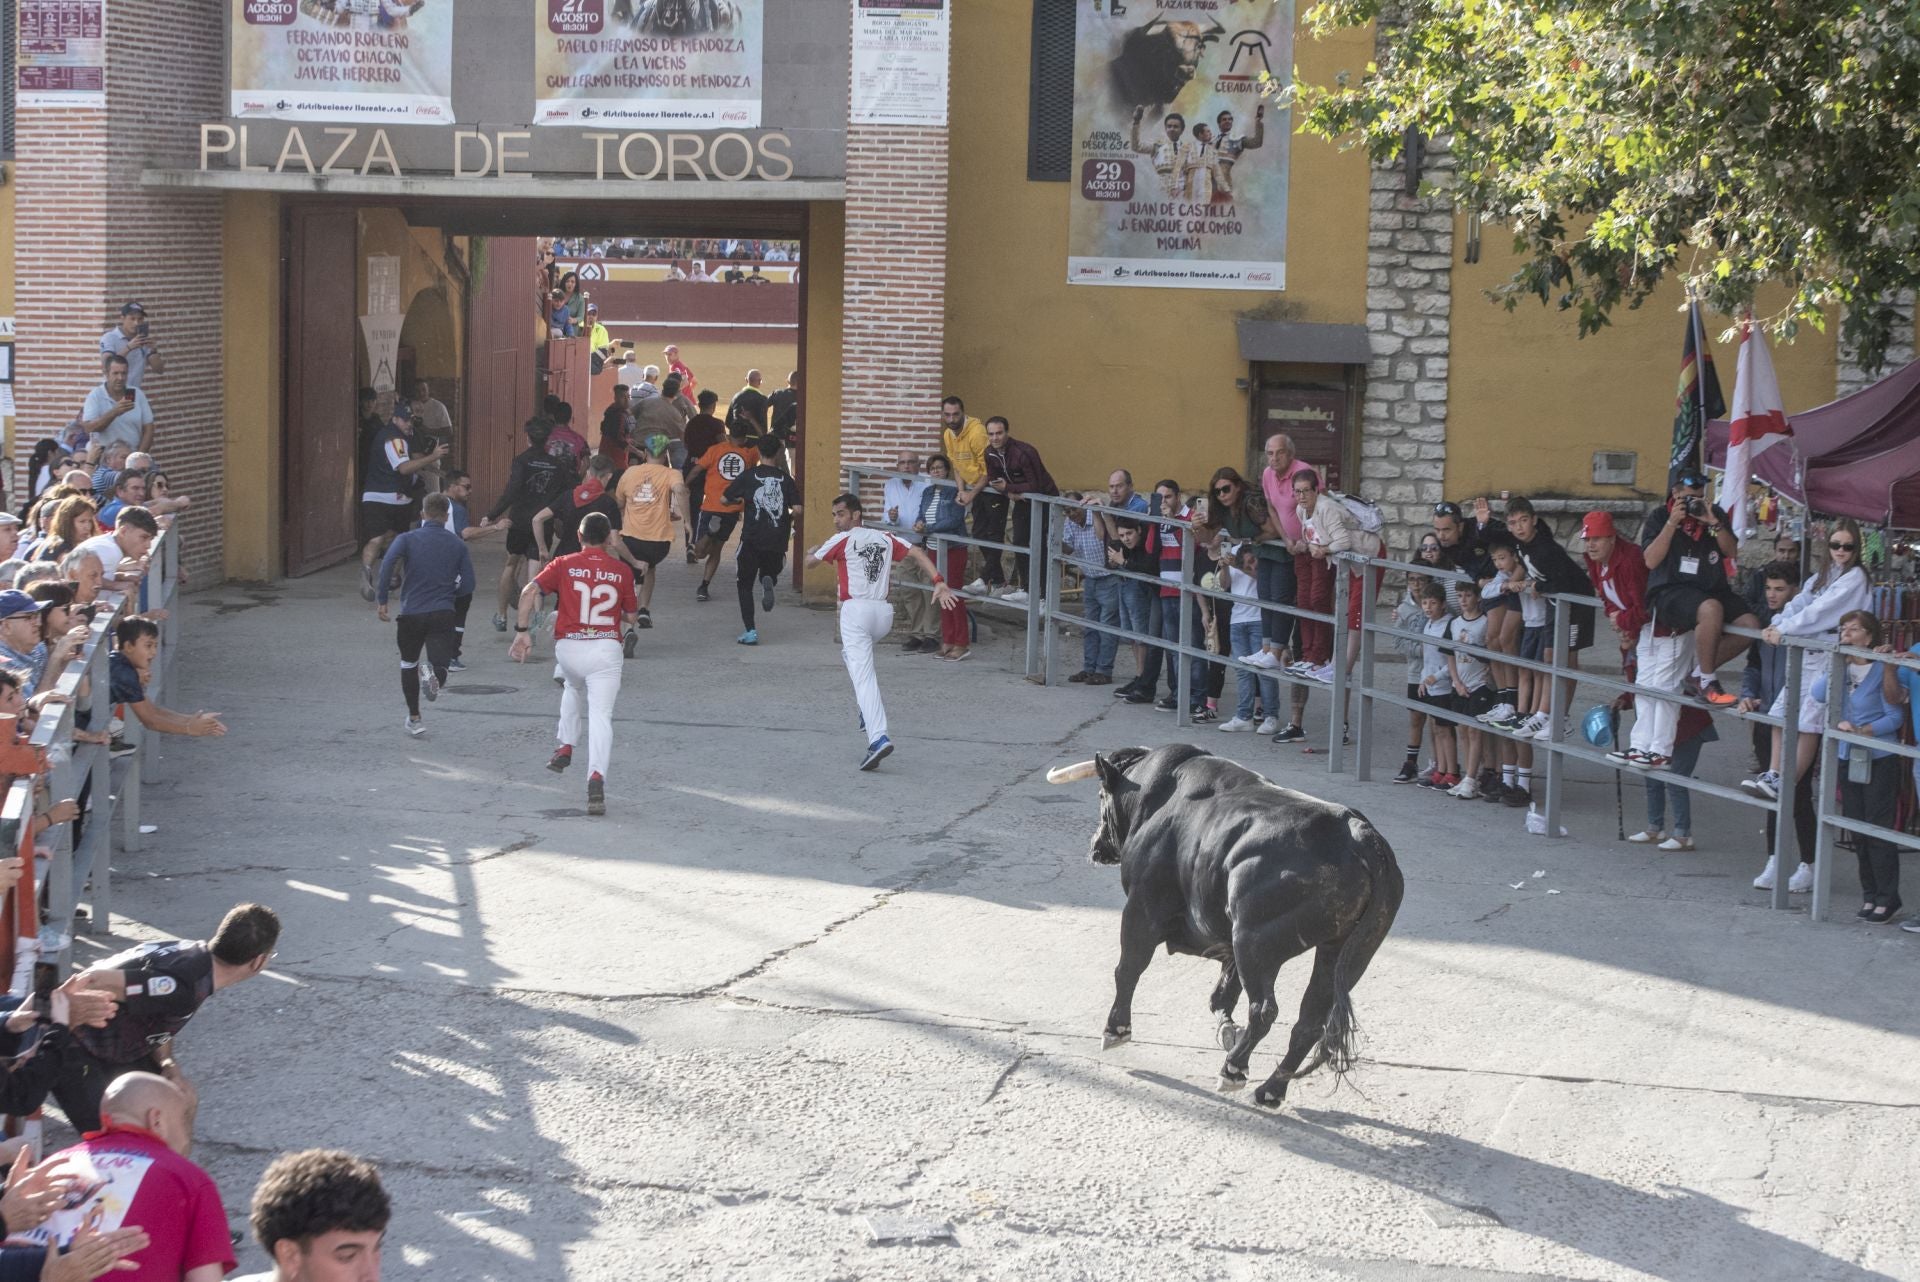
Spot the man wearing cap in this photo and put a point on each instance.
(386, 504)
(1688, 545)
(116, 411)
(22, 652)
(130, 339)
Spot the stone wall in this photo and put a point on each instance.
(1403, 419)
(1850, 377)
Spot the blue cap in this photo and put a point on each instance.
(14, 603)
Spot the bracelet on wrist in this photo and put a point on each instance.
(518, 628)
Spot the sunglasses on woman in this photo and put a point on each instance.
(1842, 546)
(1223, 490)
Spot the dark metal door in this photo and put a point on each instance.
(319, 447)
(1316, 419)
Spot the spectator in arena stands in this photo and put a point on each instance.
(74, 522)
(132, 339)
(1165, 541)
(1839, 589)
(1688, 545)
(131, 671)
(1694, 731)
(129, 490)
(1410, 616)
(899, 509)
(943, 516)
(963, 439)
(321, 1217)
(115, 411)
(161, 500)
(1870, 793)
(1250, 522)
(1329, 529)
(99, 482)
(1785, 548)
(123, 551)
(1551, 570)
(1242, 574)
(83, 569)
(1760, 687)
(133, 1165)
(1900, 685)
(49, 460)
(159, 987)
(1014, 470)
(1659, 655)
(1100, 591)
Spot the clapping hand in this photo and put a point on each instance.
(33, 1192)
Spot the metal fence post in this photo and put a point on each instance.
(1784, 837)
(1036, 527)
(1054, 577)
(1188, 605)
(1556, 714)
(1824, 788)
(1336, 714)
(1363, 733)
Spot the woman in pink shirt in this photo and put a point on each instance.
(1280, 577)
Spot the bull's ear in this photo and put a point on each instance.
(1113, 766)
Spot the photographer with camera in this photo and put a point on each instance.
(1689, 545)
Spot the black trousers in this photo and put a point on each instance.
(990, 522)
(1803, 817)
(432, 632)
(1024, 516)
(1873, 802)
(753, 566)
(83, 1085)
(461, 604)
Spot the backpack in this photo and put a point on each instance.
(1365, 514)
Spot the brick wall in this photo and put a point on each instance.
(90, 238)
(895, 285)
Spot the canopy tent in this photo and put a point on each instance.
(1858, 456)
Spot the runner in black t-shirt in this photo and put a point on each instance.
(159, 988)
(1689, 545)
(770, 499)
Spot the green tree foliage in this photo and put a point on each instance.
(1731, 143)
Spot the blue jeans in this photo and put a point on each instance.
(1102, 605)
(1685, 757)
(1275, 582)
(1246, 639)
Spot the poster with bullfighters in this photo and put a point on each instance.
(380, 61)
(1179, 164)
(648, 64)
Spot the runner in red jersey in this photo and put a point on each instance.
(596, 604)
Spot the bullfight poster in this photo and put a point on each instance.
(660, 64)
(1179, 163)
(379, 61)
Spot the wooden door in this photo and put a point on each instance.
(321, 469)
(1316, 419)
(504, 328)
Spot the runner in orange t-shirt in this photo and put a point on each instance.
(721, 466)
(648, 492)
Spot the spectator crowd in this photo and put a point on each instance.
(1668, 589)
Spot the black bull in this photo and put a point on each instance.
(1217, 862)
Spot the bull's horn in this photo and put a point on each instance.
(1069, 774)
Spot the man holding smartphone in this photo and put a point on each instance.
(116, 411)
(132, 339)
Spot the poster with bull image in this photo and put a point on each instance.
(686, 64)
(1179, 164)
(384, 61)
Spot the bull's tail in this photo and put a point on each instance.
(1339, 1036)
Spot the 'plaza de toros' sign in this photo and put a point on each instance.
(363, 151)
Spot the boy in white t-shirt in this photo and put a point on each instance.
(1472, 691)
(1409, 617)
(1243, 627)
(1436, 685)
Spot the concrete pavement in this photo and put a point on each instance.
(769, 998)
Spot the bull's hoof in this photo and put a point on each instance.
(1268, 1097)
(1230, 1081)
(1227, 1034)
(1112, 1037)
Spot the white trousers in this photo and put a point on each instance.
(591, 670)
(1663, 664)
(862, 625)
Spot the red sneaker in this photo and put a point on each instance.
(561, 759)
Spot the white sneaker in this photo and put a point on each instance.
(1323, 674)
(416, 727)
(1531, 726)
(1261, 659)
(1802, 880)
(1646, 838)
(1499, 712)
(1013, 597)
(1765, 880)
(1672, 844)
(978, 585)
(1545, 733)
(1466, 790)
(1270, 726)
(1235, 726)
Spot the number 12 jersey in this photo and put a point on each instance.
(594, 590)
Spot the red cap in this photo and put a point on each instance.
(1597, 525)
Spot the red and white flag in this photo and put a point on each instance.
(1758, 422)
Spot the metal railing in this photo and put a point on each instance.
(1043, 618)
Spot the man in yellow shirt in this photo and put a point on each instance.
(963, 440)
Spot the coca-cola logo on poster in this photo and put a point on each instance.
(576, 17)
(268, 13)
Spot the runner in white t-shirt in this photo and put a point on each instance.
(865, 559)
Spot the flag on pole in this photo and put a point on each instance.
(1758, 422)
(1697, 400)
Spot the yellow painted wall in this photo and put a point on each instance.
(1098, 377)
(251, 327)
(820, 379)
(1530, 401)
